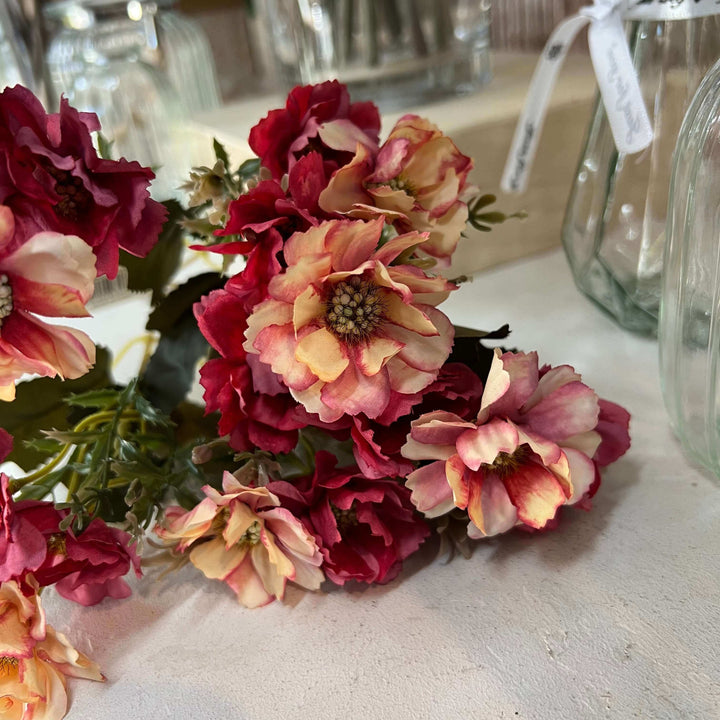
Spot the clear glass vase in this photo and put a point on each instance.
(614, 230)
(689, 330)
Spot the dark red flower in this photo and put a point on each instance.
(6, 444)
(316, 117)
(85, 568)
(52, 178)
(256, 410)
(365, 528)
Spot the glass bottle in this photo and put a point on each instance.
(689, 329)
(394, 52)
(614, 229)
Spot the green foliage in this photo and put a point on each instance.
(482, 219)
(122, 462)
(43, 403)
(169, 374)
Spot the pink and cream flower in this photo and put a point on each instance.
(242, 537)
(343, 327)
(35, 661)
(50, 275)
(418, 181)
(531, 449)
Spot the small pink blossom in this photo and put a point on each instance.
(531, 449)
(50, 275)
(242, 537)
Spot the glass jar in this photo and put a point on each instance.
(614, 229)
(394, 52)
(689, 330)
(103, 57)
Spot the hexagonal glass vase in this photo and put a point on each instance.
(614, 229)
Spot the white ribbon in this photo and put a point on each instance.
(616, 77)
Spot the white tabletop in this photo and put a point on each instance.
(614, 614)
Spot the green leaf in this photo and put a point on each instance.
(481, 202)
(40, 404)
(181, 300)
(500, 334)
(95, 399)
(155, 271)
(171, 370)
(104, 147)
(249, 169)
(220, 152)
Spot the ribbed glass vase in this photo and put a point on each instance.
(614, 230)
(689, 331)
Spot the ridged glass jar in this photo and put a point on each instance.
(614, 230)
(689, 331)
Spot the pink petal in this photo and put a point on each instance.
(323, 353)
(61, 350)
(568, 411)
(430, 492)
(248, 586)
(372, 355)
(52, 274)
(355, 393)
(482, 445)
(535, 492)
(498, 513)
(352, 242)
(277, 347)
(582, 474)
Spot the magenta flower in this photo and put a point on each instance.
(50, 275)
(85, 568)
(53, 179)
(531, 449)
(315, 117)
(365, 528)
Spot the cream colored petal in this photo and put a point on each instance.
(323, 353)
(214, 560)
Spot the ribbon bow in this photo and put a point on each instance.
(614, 71)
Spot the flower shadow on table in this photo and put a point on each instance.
(577, 532)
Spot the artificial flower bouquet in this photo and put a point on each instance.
(346, 421)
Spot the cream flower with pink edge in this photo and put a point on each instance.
(35, 660)
(418, 180)
(242, 537)
(343, 327)
(530, 450)
(50, 275)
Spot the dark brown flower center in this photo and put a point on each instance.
(354, 309)
(74, 198)
(345, 519)
(7, 665)
(6, 298)
(507, 463)
(56, 544)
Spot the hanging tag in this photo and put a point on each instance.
(618, 84)
(529, 127)
(617, 79)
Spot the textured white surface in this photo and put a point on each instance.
(613, 615)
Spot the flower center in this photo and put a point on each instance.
(6, 298)
(56, 544)
(74, 198)
(507, 463)
(354, 309)
(251, 536)
(7, 665)
(345, 519)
